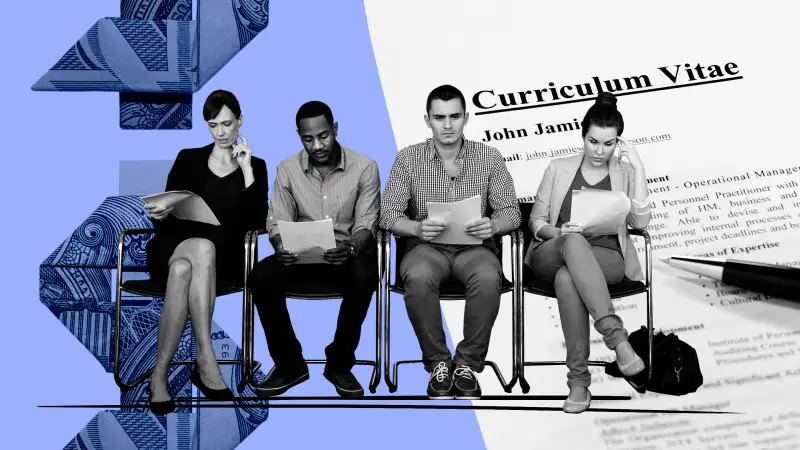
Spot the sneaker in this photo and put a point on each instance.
(280, 382)
(345, 383)
(440, 385)
(465, 384)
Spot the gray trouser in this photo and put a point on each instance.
(581, 274)
(427, 266)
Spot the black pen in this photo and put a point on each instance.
(770, 279)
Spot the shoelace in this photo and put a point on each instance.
(465, 372)
(440, 372)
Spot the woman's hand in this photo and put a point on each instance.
(242, 153)
(629, 151)
(157, 212)
(571, 227)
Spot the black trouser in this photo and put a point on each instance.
(357, 280)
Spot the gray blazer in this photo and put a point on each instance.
(554, 186)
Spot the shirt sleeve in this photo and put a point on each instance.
(177, 176)
(368, 203)
(397, 193)
(502, 196)
(282, 205)
(540, 214)
(256, 197)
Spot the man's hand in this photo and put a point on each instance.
(285, 257)
(429, 229)
(482, 228)
(337, 256)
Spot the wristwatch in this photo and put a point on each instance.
(351, 249)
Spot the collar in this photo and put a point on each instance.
(306, 166)
(431, 148)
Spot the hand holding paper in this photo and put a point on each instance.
(599, 212)
(308, 240)
(430, 229)
(482, 228)
(181, 204)
(456, 215)
(157, 212)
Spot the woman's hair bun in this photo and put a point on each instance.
(606, 99)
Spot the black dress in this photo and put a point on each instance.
(237, 208)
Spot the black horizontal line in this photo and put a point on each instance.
(620, 94)
(390, 406)
(402, 398)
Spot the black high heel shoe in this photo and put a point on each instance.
(162, 408)
(211, 394)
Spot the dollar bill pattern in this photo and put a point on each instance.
(147, 111)
(76, 285)
(155, 47)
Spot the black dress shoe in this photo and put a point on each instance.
(281, 381)
(345, 383)
(440, 384)
(465, 384)
(212, 394)
(162, 408)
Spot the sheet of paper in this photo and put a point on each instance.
(456, 215)
(600, 212)
(714, 128)
(186, 205)
(308, 239)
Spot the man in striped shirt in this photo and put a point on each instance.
(450, 168)
(323, 181)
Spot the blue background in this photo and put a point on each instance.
(62, 154)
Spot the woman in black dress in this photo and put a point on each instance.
(192, 258)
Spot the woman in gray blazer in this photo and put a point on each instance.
(581, 266)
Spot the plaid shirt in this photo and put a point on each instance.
(349, 195)
(418, 176)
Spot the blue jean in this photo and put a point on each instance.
(581, 274)
(424, 269)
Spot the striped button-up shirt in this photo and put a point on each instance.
(349, 195)
(418, 176)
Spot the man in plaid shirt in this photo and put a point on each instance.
(449, 168)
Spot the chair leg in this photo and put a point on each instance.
(389, 372)
(375, 380)
(650, 331)
(391, 379)
(248, 365)
(123, 386)
(523, 383)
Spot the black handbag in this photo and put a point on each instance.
(676, 369)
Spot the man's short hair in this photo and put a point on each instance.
(312, 109)
(445, 92)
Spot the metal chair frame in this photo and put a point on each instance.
(248, 366)
(375, 379)
(646, 288)
(386, 288)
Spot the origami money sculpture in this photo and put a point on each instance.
(156, 56)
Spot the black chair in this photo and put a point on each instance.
(530, 285)
(151, 288)
(324, 290)
(449, 290)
